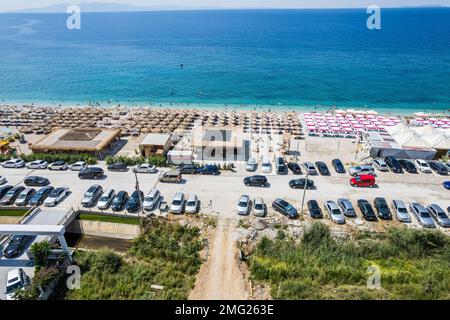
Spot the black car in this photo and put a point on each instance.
(322, 168)
(366, 210)
(408, 166)
(134, 202)
(187, 169)
(281, 166)
(314, 209)
(10, 197)
(91, 173)
(338, 166)
(119, 201)
(294, 167)
(438, 167)
(285, 208)
(382, 208)
(300, 184)
(35, 181)
(16, 246)
(4, 190)
(393, 164)
(40, 196)
(118, 166)
(210, 169)
(255, 181)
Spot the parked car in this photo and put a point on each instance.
(446, 185)
(422, 165)
(256, 181)
(422, 215)
(243, 207)
(118, 167)
(16, 280)
(314, 209)
(382, 208)
(210, 169)
(338, 166)
(300, 184)
(91, 196)
(285, 208)
(366, 210)
(77, 166)
(309, 167)
(3, 180)
(408, 165)
(177, 205)
(91, 173)
(134, 202)
(24, 197)
(294, 167)
(14, 163)
(361, 171)
(251, 164)
(172, 176)
(35, 181)
(37, 164)
(187, 169)
(393, 164)
(380, 165)
(334, 212)
(145, 168)
(119, 201)
(439, 215)
(192, 204)
(401, 211)
(259, 207)
(347, 207)
(438, 167)
(40, 196)
(4, 190)
(281, 166)
(105, 200)
(58, 165)
(56, 196)
(10, 197)
(363, 181)
(322, 168)
(152, 200)
(16, 246)
(266, 166)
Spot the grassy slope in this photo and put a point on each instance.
(113, 219)
(12, 212)
(414, 265)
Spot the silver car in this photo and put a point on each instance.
(422, 215)
(361, 170)
(14, 163)
(251, 164)
(401, 211)
(37, 164)
(105, 200)
(439, 215)
(177, 205)
(259, 208)
(266, 166)
(243, 207)
(192, 204)
(152, 199)
(145, 168)
(334, 212)
(380, 165)
(310, 168)
(347, 207)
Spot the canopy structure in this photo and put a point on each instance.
(438, 141)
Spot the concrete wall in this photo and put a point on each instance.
(9, 220)
(104, 229)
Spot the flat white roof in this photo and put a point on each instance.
(31, 229)
(156, 139)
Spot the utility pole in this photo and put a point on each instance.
(139, 194)
(304, 190)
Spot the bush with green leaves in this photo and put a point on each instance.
(40, 252)
(5, 157)
(53, 157)
(158, 161)
(41, 280)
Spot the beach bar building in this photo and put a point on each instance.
(95, 141)
(155, 144)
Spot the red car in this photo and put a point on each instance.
(363, 181)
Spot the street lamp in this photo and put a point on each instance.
(304, 190)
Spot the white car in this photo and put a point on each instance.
(58, 165)
(152, 199)
(77, 166)
(14, 163)
(177, 205)
(361, 170)
(334, 212)
(16, 280)
(56, 196)
(145, 168)
(192, 204)
(3, 180)
(37, 164)
(422, 165)
(251, 164)
(243, 207)
(259, 208)
(380, 165)
(266, 166)
(105, 200)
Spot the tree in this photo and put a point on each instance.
(40, 251)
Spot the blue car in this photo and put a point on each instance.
(211, 169)
(446, 185)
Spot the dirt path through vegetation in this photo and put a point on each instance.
(220, 278)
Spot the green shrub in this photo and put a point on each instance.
(158, 161)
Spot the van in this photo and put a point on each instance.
(91, 173)
(172, 176)
(363, 181)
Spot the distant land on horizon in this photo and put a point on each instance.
(121, 7)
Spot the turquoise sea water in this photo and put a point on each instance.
(277, 58)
